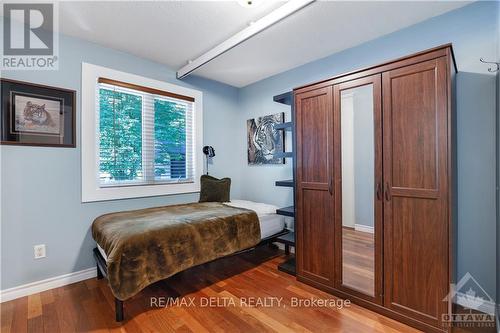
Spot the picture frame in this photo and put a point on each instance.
(264, 140)
(37, 115)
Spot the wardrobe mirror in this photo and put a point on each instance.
(358, 178)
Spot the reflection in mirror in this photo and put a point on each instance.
(358, 178)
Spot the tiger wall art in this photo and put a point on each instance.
(264, 140)
(38, 115)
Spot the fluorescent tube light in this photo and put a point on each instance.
(275, 16)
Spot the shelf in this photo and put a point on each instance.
(286, 211)
(288, 238)
(285, 183)
(288, 266)
(285, 98)
(284, 126)
(286, 154)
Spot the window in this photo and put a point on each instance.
(144, 137)
(140, 137)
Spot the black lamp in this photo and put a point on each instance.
(209, 152)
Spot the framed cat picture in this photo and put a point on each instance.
(37, 115)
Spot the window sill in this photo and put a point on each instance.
(129, 192)
(141, 183)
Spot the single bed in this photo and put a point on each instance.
(270, 225)
(137, 248)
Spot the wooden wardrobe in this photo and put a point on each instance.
(374, 186)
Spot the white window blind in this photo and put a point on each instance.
(145, 136)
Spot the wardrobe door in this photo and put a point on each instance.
(416, 217)
(314, 192)
(358, 187)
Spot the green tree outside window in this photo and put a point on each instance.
(170, 139)
(121, 141)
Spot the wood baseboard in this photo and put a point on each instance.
(42, 285)
(364, 228)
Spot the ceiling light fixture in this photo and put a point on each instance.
(250, 3)
(272, 18)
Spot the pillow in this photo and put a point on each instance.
(214, 189)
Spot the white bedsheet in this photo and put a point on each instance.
(270, 222)
(260, 208)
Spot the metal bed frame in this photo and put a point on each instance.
(102, 267)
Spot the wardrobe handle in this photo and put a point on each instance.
(379, 191)
(387, 192)
(330, 186)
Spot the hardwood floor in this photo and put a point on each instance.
(87, 306)
(358, 260)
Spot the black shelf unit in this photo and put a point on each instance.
(288, 126)
(288, 240)
(285, 183)
(286, 211)
(288, 266)
(285, 154)
(284, 98)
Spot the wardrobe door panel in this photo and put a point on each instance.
(314, 139)
(317, 243)
(414, 126)
(314, 211)
(415, 149)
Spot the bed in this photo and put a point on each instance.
(137, 248)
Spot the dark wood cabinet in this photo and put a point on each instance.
(314, 185)
(374, 173)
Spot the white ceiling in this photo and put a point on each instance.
(173, 32)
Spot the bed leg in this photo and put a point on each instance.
(99, 273)
(118, 310)
(287, 249)
(272, 246)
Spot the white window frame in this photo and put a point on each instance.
(91, 187)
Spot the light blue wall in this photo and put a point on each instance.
(498, 195)
(40, 187)
(364, 156)
(498, 171)
(472, 30)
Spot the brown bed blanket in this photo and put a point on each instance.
(147, 245)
